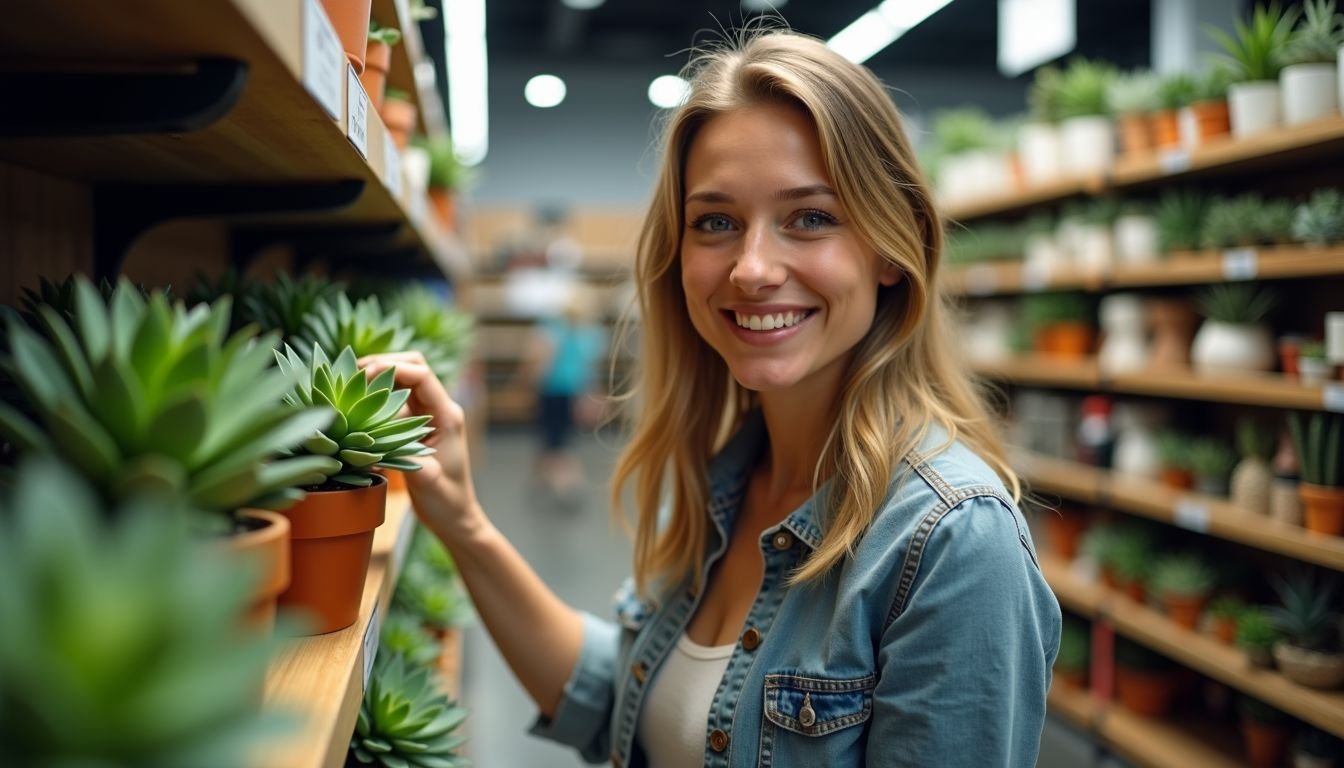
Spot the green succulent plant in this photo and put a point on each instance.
(1226, 607)
(1236, 303)
(1317, 39)
(1212, 459)
(428, 550)
(1306, 614)
(1213, 84)
(363, 327)
(1043, 95)
(1319, 443)
(1256, 631)
(1257, 50)
(1254, 439)
(119, 641)
(285, 304)
(439, 602)
(1173, 448)
(1232, 221)
(1320, 220)
(404, 634)
(1126, 550)
(963, 130)
(1273, 222)
(1176, 90)
(141, 395)
(1180, 220)
(386, 35)
(1042, 309)
(366, 432)
(1182, 576)
(1084, 88)
(1133, 93)
(405, 721)
(61, 297)
(441, 333)
(445, 171)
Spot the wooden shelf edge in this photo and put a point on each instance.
(1226, 153)
(1084, 598)
(1055, 191)
(1041, 370)
(1157, 743)
(1070, 478)
(1075, 705)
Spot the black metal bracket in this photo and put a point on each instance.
(310, 239)
(45, 104)
(395, 263)
(122, 212)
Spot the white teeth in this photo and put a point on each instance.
(769, 322)
(779, 321)
(755, 323)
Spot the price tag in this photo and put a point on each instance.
(1174, 160)
(1192, 515)
(1035, 276)
(391, 166)
(356, 112)
(1332, 395)
(980, 281)
(1240, 264)
(324, 61)
(404, 536)
(371, 641)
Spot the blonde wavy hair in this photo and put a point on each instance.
(904, 375)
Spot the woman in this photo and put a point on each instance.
(830, 569)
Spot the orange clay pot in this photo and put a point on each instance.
(1185, 610)
(1136, 137)
(399, 117)
(1063, 530)
(1213, 120)
(331, 540)
(1225, 629)
(377, 61)
(350, 18)
(1065, 340)
(1265, 744)
(1174, 477)
(1322, 508)
(445, 207)
(1166, 127)
(265, 547)
(1144, 692)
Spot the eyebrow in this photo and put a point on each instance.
(796, 193)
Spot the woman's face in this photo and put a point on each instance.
(777, 279)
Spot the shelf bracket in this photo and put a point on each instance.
(246, 242)
(395, 262)
(122, 212)
(48, 104)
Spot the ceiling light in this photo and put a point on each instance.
(582, 5)
(468, 102)
(760, 6)
(881, 27)
(1032, 32)
(668, 91)
(544, 91)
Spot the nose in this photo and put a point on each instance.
(758, 266)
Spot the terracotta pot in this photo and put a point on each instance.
(1265, 743)
(1290, 348)
(396, 480)
(350, 18)
(450, 661)
(1136, 136)
(1225, 629)
(332, 538)
(1135, 591)
(264, 547)
(1309, 668)
(1323, 508)
(1185, 610)
(1173, 323)
(1063, 530)
(1212, 120)
(1176, 477)
(399, 117)
(377, 62)
(1166, 129)
(1073, 677)
(445, 207)
(1145, 692)
(1108, 578)
(1065, 340)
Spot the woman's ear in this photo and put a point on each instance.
(890, 275)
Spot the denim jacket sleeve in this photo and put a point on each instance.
(583, 718)
(967, 650)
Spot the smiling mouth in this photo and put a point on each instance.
(768, 322)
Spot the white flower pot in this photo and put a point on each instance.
(1094, 248)
(988, 333)
(1089, 144)
(1232, 347)
(1254, 107)
(1310, 92)
(1136, 450)
(975, 174)
(1189, 127)
(1039, 150)
(1136, 239)
(1044, 254)
(1334, 338)
(1123, 325)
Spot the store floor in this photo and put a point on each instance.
(584, 557)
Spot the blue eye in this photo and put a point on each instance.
(814, 220)
(712, 222)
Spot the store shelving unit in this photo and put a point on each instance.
(1164, 744)
(1015, 202)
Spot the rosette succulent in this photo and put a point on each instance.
(285, 304)
(405, 635)
(366, 432)
(143, 395)
(440, 333)
(364, 327)
(439, 602)
(405, 721)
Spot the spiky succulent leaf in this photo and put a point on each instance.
(438, 601)
(443, 335)
(363, 328)
(285, 304)
(1320, 220)
(404, 720)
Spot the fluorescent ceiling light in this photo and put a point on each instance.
(468, 101)
(668, 91)
(881, 27)
(763, 5)
(1032, 32)
(583, 5)
(544, 91)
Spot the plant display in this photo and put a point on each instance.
(989, 242)
(439, 602)
(1176, 90)
(366, 433)
(141, 396)
(1212, 86)
(405, 721)
(1181, 575)
(1084, 88)
(1044, 309)
(1318, 444)
(1074, 646)
(1318, 38)
(1256, 631)
(1212, 458)
(1133, 93)
(1233, 221)
(1173, 448)
(1237, 303)
(1043, 95)
(388, 36)
(1273, 222)
(403, 634)
(967, 129)
(1180, 220)
(118, 634)
(1306, 615)
(445, 172)
(208, 290)
(1226, 607)
(1320, 220)
(1257, 50)
(285, 304)
(1125, 550)
(439, 332)
(363, 327)
(1254, 440)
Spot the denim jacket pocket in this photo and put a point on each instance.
(814, 707)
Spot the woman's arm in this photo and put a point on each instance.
(965, 659)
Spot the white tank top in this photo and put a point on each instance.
(673, 724)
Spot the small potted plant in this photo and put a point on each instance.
(1232, 221)
(1256, 635)
(970, 166)
(1040, 147)
(1309, 82)
(1312, 367)
(1174, 93)
(1320, 221)
(1074, 654)
(1264, 732)
(1180, 221)
(405, 635)
(1136, 234)
(405, 719)
(445, 179)
(283, 305)
(364, 327)
(1088, 135)
(378, 61)
(1182, 583)
(1065, 527)
(1129, 559)
(1060, 324)
(1212, 462)
(1132, 98)
(1144, 682)
(1208, 106)
(1314, 748)
(1320, 443)
(1174, 454)
(1309, 651)
(1273, 222)
(1234, 336)
(399, 114)
(1256, 56)
(1224, 612)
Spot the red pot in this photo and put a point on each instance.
(264, 547)
(1185, 610)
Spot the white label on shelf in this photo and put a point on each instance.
(356, 112)
(324, 59)
(1240, 264)
(1332, 396)
(1035, 276)
(391, 166)
(1192, 515)
(404, 536)
(980, 281)
(1174, 160)
(371, 641)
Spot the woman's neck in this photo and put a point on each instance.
(798, 426)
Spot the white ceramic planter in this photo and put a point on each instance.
(1043, 253)
(1254, 107)
(989, 333)
(1123, 324)
(975, 174)
(1136, 450)
(1039, 150)
(1094, 250)
(1232, 347)
(1136, 239)
(1309, 92)
(1089, 144)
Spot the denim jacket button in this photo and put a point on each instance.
(782, 541)
(751, 639)
(718, 740)
(639, 671)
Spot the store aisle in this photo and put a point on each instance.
(579, 552)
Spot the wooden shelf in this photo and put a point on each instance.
(1083, 597)
(322, 677)
(1044, 371)
(1067, 478)
(1019, 200)
(1006, 278)
(1073, 704)
(1162, 743)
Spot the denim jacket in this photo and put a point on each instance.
(930, 646)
